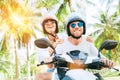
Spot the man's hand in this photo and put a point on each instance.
(58, 41)
(108, 63)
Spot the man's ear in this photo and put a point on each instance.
(89, 39)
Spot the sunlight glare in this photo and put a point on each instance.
(17, 19)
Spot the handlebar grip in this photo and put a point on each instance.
(38, 64)
(95, 65)
(41, 63)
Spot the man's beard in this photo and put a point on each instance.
(76, 37)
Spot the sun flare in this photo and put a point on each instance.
(18, 16)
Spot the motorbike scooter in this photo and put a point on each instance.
(61, 62)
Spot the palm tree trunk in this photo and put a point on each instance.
(16, 61)
(28, 62)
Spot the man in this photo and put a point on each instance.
(76, 42)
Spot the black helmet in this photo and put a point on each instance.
(72, 18)
(49, 17)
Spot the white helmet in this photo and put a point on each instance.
(49, 17)
(74, 17)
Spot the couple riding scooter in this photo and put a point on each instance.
(77, 41)
(62, 62)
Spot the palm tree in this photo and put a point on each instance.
(18, 24)
(61, 8)
(108, 28)
(5, 64)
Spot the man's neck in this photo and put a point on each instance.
(75, 41)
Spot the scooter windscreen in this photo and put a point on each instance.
(77, 54)
(70, 57)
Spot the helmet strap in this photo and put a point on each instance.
(51, 34)
(55, 36)
(76, 37)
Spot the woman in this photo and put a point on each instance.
(50, 29)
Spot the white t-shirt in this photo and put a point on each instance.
(84, 46)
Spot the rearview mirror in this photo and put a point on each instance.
(43, 43)
(108, 45)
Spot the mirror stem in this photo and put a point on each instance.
(99, 56)
(54, 52)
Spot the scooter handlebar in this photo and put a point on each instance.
(55, 60)
(95, 65)
(98, 65)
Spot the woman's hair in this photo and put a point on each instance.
(49, 17)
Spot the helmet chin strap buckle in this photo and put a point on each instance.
(51, 34)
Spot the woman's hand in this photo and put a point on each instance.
(58, 41)
(49, 59)
(89, 39)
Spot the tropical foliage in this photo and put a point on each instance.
(108, 28)
(16, 26)
(20, 25)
